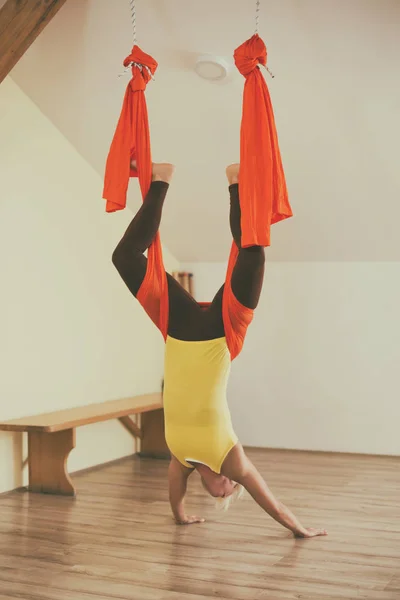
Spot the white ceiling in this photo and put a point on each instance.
(336, 97)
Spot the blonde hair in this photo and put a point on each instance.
(223, 504)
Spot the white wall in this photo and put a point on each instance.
(71, 334)
(336, 107)
(320, 366)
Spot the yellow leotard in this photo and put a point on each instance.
(198, 424)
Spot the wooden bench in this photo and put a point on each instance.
(51, 437)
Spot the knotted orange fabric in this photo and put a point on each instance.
(262, 187)
(132, 141)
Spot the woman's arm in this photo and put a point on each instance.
(177, 479)
(239, 468)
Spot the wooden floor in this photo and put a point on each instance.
(117, 540)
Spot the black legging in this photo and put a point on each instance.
(187, 321)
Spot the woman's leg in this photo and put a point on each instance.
(248, 274)
(128, 257)
(239, 468)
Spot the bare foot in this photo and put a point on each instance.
(160, 171)
(232, 173)
(163, 172)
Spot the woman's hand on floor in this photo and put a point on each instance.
(189, 520)
(310, 533)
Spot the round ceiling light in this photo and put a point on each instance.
(213, 68)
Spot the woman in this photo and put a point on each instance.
(198, 426)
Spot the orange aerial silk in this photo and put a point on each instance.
(262, 187)
(132, 141)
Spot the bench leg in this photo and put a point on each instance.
(48, 454)
(153, 442)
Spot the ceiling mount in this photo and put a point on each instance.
(211, 67)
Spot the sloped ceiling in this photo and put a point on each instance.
(336, 97)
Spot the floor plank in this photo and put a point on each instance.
(117, 540)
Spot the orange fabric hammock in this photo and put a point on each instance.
(132, 141)
(262, 187)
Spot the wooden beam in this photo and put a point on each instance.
(21, 21)
(131, 427)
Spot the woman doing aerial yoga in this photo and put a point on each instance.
(202, 340)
